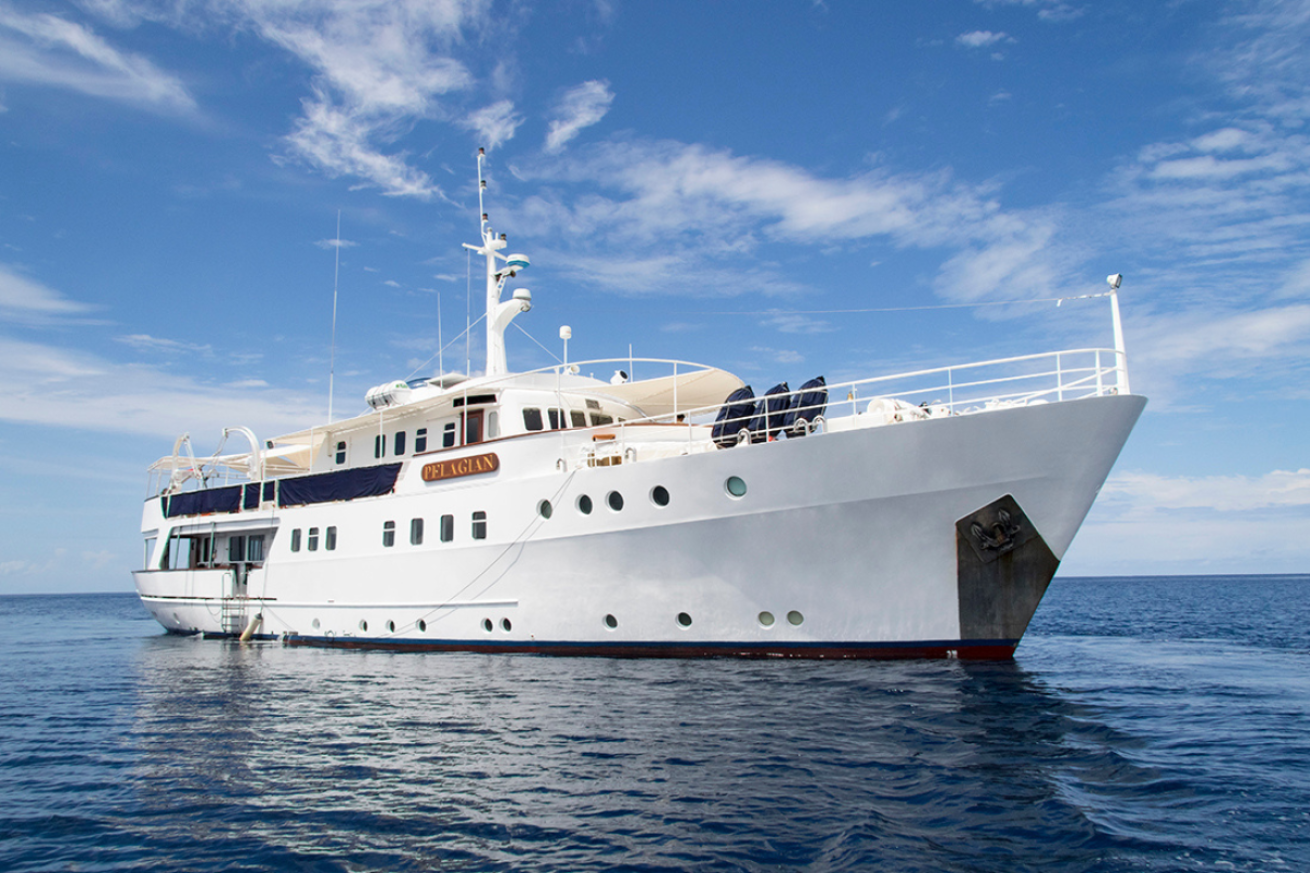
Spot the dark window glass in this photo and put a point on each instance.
(472, 427)
(420, 440)
(479, 525)
(416, 531)
(388, 533)
(448, 436)
(599, 418)
(400, 443)
(312, 541)
(578, 418)
(330, 540)
(532, 418)
(379, 446)
(236, 549)
(295, 540)
(554, 418)
(447, 528)
(255, 548)
(341, 452)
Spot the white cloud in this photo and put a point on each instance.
(26, 300)
(1047, 10)
(494, 124)
(48, 50)
(339, 142)
(696, 206)
(1152, 492)
(336, 243)
(145, 343)
(982, 39)
(47, 385)
(580, 107)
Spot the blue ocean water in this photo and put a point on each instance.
(1147, 724)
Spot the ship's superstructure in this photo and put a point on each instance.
(921, 514)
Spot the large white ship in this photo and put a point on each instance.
(915, 515)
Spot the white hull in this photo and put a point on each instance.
(852, 533)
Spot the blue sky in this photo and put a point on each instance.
(171, 175)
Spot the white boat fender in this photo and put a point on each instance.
(251, 627)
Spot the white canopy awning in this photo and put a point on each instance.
(693, 390)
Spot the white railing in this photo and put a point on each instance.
(965, 389)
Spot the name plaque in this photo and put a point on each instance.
(438, 470)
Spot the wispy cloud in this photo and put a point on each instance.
(1048, 10)
(982, 39)
(145, 343)
(47, 50)
(494, 124)
(382, 66)
(49, 385)
(336, 243)
(26, 300)
(1154, 492)
(697, 206)
(581, 107)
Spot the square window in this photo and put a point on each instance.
(578, 418)
(531, 418)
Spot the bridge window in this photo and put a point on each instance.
(532, 418)
(577, 418)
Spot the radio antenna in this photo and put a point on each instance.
(336, 273)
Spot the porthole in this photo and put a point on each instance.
(422, 625)
(795, 617)
(544, 509)
(391, 627)
(735, 486)
(615, 500)
(315, 623)
(684, 620)
(363, 625)
(505, 625)
(659, 495)
(584, 505)
(611, 622)
(487, 625)
(766, 619)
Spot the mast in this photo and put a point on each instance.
(498, 314)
